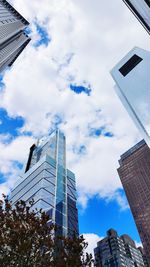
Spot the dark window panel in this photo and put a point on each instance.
(130, 65)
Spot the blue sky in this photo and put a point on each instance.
(10, 125)
(99, 215)
(62, 80)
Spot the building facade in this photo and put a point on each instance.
(13, 38)
(132, 79)
(141, 9)
(134, 172)
(49, 183)
(115, 251)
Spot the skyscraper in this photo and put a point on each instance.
(134, 172)
(132, 79)
(115, 251)
(13, 38)
(141, 9)
(49, 183)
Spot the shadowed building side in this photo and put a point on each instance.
(134, 172)
(118, 251)
(13, 38)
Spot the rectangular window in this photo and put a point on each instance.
(130, 64)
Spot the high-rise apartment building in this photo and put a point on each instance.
(134, 172)
(132, 79)
(115, 251)
(141, 9)
(13, 38)
(50, 183)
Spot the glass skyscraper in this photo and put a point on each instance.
(141, 9)
(13, 38)
(132, 79)
(49, 183)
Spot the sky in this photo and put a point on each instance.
(62, 79)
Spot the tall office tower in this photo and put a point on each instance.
(13, 38)
(49, 183)
(141, 9)
(115, 251)
(134, 172)
(132, 79)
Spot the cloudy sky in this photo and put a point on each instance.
(62, 80)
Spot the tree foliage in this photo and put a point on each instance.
(27, 239)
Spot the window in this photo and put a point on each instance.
(130, 64)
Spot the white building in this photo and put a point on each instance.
(141, 9)
(132, 77)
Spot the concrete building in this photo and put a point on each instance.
(141, 9)
(13, 38)
(115, 251)
(134, 172)
(50, 183)
(132, 79)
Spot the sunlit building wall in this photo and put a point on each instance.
(132, 79)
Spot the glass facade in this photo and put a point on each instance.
(132, 79)
(49, 183)
(71, 203)
(13, 38)
(141, 9)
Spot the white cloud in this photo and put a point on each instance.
(10, 155)
(92, 240)
(138, 244)
(17, 150)
(37, 86)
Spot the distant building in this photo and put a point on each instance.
(141, 9)
(13, 38)
(134, 172)
(132, 79)
(49, 183)
(115, 251)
